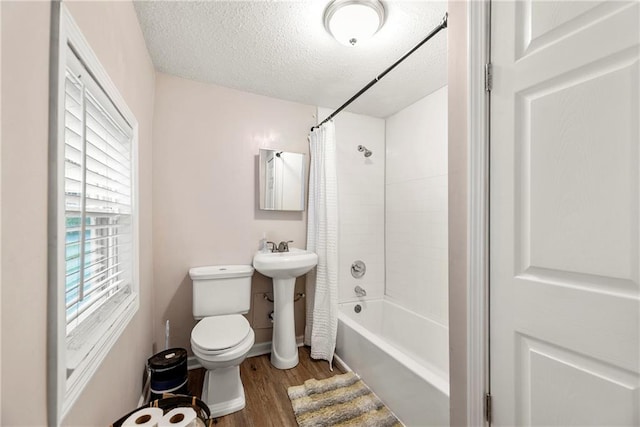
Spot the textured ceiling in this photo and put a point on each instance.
(281, 49)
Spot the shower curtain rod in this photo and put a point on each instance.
(433, 32)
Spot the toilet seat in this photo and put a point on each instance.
(227, 354)
(219, 334)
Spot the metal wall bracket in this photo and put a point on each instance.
(298, 296)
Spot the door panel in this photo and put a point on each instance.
(564, 220)
(559, 388)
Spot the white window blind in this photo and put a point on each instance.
(98, 205)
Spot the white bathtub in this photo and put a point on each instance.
(402, 356)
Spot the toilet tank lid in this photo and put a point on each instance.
(220, 271)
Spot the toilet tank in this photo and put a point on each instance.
(221, 289)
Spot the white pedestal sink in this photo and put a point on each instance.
(283, 268)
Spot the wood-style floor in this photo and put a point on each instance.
(265, 390)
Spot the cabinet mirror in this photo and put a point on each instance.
(282, 180)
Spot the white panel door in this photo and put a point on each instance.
(564, 219)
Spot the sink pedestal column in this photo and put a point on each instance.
(284, 351)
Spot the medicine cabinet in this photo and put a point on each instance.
(282, 180)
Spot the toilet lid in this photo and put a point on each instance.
(220, 332)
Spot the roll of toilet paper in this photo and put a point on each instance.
(179, 417)
(145, 417)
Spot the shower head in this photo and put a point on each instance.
(367, 152)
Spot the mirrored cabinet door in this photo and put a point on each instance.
(282, 180)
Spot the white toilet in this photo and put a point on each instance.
(222, 338)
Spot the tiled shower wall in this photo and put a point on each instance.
(416, 207)
(360, 202)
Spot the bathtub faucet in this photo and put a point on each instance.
(360, 292)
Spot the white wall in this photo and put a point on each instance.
(0, 219)
(205, 201)
(416, 207)
(24, 88)
(458, 236)
(360, 202)
(112, 30)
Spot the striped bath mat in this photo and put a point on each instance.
(342, 400)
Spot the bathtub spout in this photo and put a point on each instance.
(360, 292)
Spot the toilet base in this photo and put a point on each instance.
(222, 391)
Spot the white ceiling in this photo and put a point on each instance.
(281, 49)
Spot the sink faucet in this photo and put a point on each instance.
(360, 292)
(284, 246)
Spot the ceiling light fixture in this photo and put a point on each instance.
(353, 21)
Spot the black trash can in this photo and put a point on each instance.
(168, 371)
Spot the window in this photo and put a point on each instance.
(96, 283)
(98, 206)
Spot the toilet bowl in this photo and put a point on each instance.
(222, 338)
(221, 343)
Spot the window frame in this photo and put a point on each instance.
(63, 391)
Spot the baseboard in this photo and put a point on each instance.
(340, 364)
(145, 389)
(192, 363)
(258, 349)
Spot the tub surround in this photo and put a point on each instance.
(416, 237)
(360, 202)
(398, 196)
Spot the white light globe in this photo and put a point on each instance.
(352, 22)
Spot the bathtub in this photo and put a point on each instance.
(401, 356)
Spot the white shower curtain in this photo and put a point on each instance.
(322, 238)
